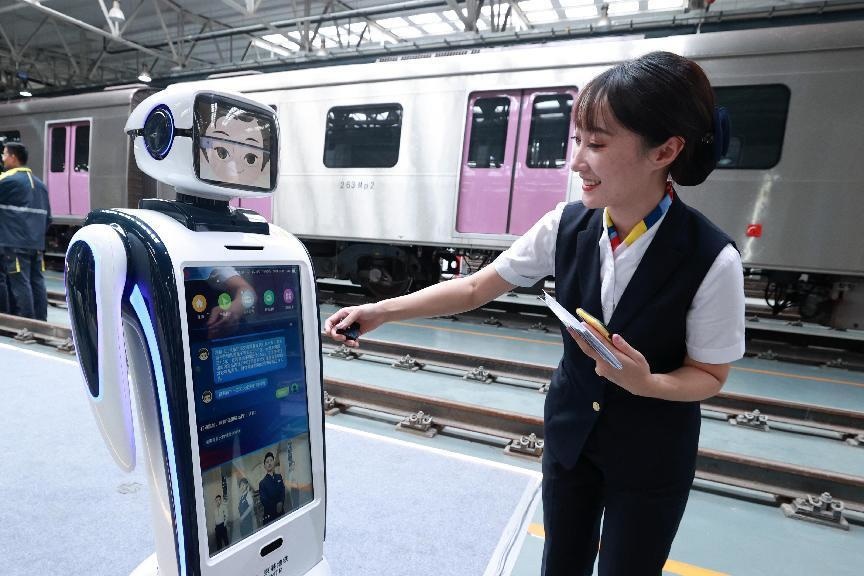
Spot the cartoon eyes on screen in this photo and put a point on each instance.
(234, 144)
(230, 151)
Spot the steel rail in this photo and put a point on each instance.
(31, 331)
(764, 335)
(786, 481)
(836, 419)
(841, 421)
(474, 418)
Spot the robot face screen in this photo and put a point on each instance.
(235, 144)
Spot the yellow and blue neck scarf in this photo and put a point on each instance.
(652, 218)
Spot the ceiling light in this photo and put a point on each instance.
(144, 76)
(604, 15)
(322, 51)
(116, 14)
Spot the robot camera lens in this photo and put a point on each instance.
(159, 132)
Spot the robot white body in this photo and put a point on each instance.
(216, 313)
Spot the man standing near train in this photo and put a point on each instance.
(24, 217)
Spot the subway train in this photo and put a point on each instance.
(397, 170)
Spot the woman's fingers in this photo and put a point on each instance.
(334, 321)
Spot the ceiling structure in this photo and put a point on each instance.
(56, 46)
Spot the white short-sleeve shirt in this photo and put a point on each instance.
(715, 320)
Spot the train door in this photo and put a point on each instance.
(68, 177)
(262, 205)
(514, 166)
(541, 172)
(487, 162)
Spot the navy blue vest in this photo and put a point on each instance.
(630, 437)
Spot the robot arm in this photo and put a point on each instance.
(95, 282)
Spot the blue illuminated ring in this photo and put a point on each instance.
(159, 118)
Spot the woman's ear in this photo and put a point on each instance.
(666, 153)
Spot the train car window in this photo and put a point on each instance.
(489, 120)
(757, 121)
(10, 136)
(82, 149)
(550, 126)
(58, 149)
(363, 136)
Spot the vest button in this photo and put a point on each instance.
(596, 406)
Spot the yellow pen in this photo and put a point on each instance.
(594, 322)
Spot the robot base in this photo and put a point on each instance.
(149, 567)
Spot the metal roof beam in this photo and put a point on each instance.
(12, 50)
(104, 51)
(319, 18)
(194, 43)
(66, 47)
(32, 36)
(165, 29)
(473, 7)
(373, 24)
(198, 37)
(455, 7)
(251, 6)
(93, 29)
(236, 6)
(515, 5)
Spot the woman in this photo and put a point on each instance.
(621, 444)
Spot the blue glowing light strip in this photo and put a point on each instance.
(140, 307)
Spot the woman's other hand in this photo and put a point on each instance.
(635, 376)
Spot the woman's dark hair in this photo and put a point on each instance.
(18, 150)
(657, 96)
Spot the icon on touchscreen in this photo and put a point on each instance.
(207, 396)
(203, 354)
(199, 303)
(248, 298)
(269, 297)
(224, 301)
(288, 295)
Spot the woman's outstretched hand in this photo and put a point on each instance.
(635, 377)
(367, 316)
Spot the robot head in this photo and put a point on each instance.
(206, 143)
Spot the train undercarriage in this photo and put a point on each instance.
(385, 271)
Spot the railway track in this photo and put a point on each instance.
(767, 337)
(521, 434)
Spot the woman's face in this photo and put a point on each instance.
(612, 162)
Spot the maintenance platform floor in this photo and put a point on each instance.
(399, 503)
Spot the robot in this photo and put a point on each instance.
(207, 314)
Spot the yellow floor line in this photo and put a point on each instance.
(672, 566)
(537, 530)
(684, 569)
